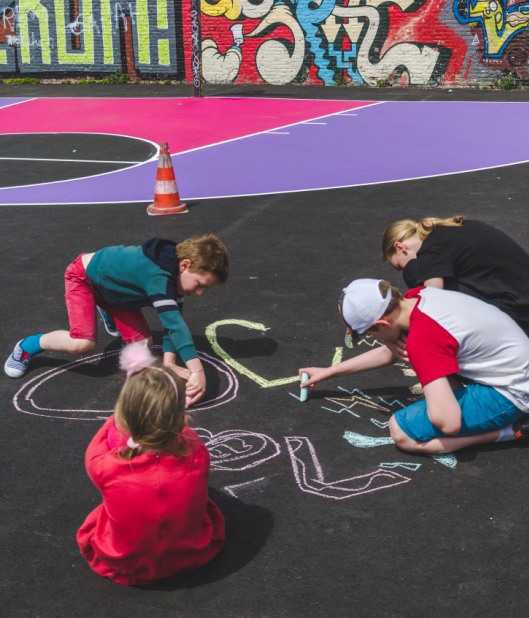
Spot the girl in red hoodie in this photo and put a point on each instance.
(156, 518)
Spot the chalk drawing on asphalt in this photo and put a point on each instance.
(26, 399)
(310, 478)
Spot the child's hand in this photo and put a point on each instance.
(195, 386)
(181, 372)
(316, 374)
(196, 381)
(398, 348)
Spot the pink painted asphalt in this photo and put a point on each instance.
(226, 147)
(186, 124)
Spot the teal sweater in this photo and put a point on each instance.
(136, 277)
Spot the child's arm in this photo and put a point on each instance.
(435, 282)
(379, 357)
(97, 449)
(193, 374)
(443, 408)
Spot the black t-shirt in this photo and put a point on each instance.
(479, 260)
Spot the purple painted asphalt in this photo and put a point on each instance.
(384, 142)
(7, 101)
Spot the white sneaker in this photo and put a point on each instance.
(17, 364)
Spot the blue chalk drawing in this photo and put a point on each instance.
(447, 459)
(401, 464)
(346, 410)
(355, 391)
(392, 403)
(361, 441)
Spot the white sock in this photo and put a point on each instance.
(506, 434)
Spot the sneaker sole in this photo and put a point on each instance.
(11, 372)
(112, 333)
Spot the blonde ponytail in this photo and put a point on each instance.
(428, 224)
(400, 231)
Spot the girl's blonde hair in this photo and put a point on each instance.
(151, 408)
(399, 231)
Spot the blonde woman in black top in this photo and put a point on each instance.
(464, 255)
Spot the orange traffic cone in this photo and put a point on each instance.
(166, 198)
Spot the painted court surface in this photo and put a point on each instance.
(324, 515)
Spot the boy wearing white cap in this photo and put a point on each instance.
(449, 334)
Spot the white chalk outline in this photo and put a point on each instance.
(234, 457)
(32, 385)
(309, 474)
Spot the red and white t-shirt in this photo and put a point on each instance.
(452, 332)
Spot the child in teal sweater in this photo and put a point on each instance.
(122, 280)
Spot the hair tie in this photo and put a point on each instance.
(133, 445)
(135, 357)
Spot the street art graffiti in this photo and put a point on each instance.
(64, 37)
(353, 42)
(500, 30)
(277, 42)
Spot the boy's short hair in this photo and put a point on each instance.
(207, 253)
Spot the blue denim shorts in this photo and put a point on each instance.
(483, 409)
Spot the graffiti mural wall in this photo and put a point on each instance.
(364, 42)
(64, 38)
(313, 42)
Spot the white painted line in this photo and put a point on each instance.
(17, 103)
(68, 160)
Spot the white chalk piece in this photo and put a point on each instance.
(304, 392)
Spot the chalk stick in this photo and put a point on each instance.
(304, 392)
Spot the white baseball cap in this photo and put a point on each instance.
(361, 305)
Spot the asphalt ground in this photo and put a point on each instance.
(316, 525)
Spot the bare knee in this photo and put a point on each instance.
(401, 439)
(81, 346)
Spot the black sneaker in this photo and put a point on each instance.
(521, 426)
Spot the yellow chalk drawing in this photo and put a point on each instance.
(211, 334)
(338, 356)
